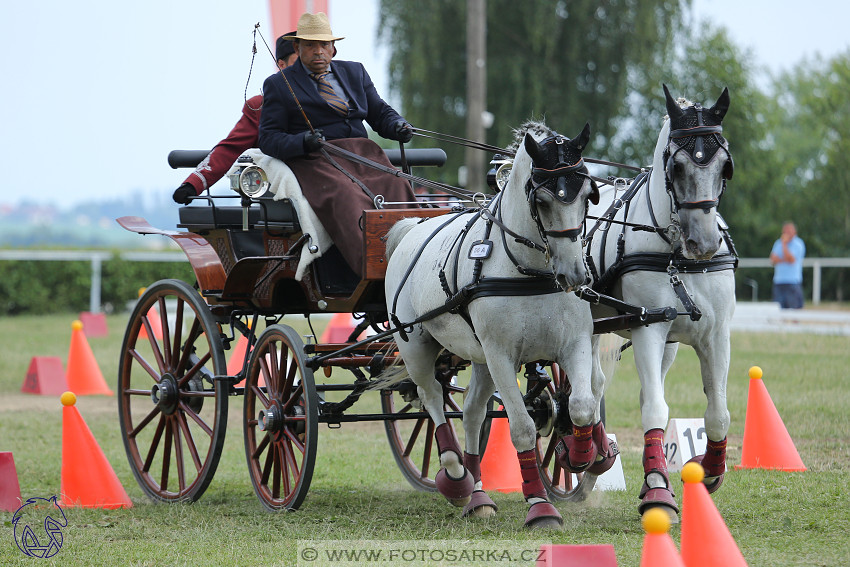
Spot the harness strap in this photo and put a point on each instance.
(682, 293)
(393, 317)
(658, 262)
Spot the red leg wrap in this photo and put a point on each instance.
(447, 440)
(479, 498)
(532, 486)
(655, 462)
(607, 450)
(714, 463)
(451, 488)
(653, 452)
(473, 465)
(577, 452)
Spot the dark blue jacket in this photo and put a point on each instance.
(282, 126)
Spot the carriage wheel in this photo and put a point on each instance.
(173, 413)
(412, 440)
(281, 419)
(560, 484)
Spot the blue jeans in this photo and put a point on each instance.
(789, 296)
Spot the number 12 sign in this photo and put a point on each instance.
(683, 440)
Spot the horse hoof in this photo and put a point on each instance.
(672, 512)
(484, 512)
(659, 498)
(480, 505)
(455, 489)
(712, 483)
(459, 502)
(543, 515)
(604, 462)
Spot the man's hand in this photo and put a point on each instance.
(312, 141)
(403, 131)
(182, 194)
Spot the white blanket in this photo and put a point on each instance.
(284, 185)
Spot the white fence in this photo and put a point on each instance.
(96, 257)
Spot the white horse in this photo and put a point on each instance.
(681, 257)
(525, 244)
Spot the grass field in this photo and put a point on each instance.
(358, 494)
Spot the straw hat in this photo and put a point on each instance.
(314, 27)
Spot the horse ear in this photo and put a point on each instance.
(532, 147)
(722, 105)
(673, 108)
(580, 141)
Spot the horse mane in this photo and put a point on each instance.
(683, 103)
(538, 129)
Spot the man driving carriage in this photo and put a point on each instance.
(317, 100)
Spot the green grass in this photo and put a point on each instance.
(357, 492)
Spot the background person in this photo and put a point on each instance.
(242, 137)
(787, 259)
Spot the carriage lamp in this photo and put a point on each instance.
(502, 174)
(500, 169)
(253, 182)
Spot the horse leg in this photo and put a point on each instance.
(474, 412)
(452, 480)
(541, 512)
(588, 448)
(714, 364)
(649, 347)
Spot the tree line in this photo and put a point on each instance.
(576, 61)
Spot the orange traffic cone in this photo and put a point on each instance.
(88, 479)
(499, 465)
(155, 321)
(339, 329)
(767, 444)
(658, 547)
(10, 489)
(237, 357)
(706, 541)
(83, 374)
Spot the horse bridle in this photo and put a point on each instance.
(700, 131)
(559, 192)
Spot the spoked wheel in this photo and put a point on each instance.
(412, 440)
(281, 419)
(561, 484)
(173, 414)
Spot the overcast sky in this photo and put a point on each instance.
(96, 93)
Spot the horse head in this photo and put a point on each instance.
(697, 164)
(557, 188)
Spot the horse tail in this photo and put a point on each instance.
(397, 232)
(391, 376)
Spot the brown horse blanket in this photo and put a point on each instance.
(338, 201)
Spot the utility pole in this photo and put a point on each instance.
(476, 91)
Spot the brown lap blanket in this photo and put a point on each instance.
(338, 201)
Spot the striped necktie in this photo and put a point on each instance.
(329, 94)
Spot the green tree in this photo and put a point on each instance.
(813, 148)
(563, 61)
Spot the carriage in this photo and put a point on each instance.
(246, 252)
